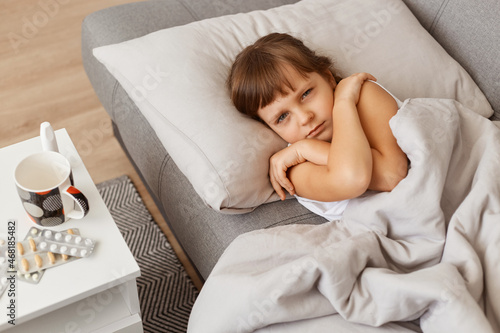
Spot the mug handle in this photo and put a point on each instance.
(80, 200)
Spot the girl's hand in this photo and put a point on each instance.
(279, 164)
(349, 88)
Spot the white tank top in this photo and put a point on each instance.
(333, 210)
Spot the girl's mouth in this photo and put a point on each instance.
(315, 131)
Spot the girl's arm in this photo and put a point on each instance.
(348, 171)
(312, 150)
(389, 163)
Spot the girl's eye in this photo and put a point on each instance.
(308, 91)
(282, 117)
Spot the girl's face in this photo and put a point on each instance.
(305, 111)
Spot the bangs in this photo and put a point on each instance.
(277, 83)
(262, 84)
(263, 71)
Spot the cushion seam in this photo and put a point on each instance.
(189, 9)
(163, 166)
(438, 16)
(195, 146)
(154, 136)
(293, 219)
(113, 97)
(188, 139)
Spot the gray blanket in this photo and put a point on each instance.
(428, 250)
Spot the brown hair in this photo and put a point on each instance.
(259, 72)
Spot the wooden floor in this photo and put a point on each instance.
(42, 79)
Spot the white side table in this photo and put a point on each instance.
(93, 294)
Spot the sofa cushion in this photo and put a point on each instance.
(177, 79)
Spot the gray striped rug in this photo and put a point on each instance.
(166, 292)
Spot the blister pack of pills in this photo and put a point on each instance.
(43, 249)
(33, 277)
(66, 243)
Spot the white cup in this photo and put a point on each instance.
(45, 185)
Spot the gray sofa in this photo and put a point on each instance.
(468, 30)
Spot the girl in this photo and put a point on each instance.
(340, 140)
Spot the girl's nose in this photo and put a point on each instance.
(305, 116)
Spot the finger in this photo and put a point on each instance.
(371, 77)
(285, 182)
(368, 76)
(287, 185)
(277, 187)
(281, 194)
